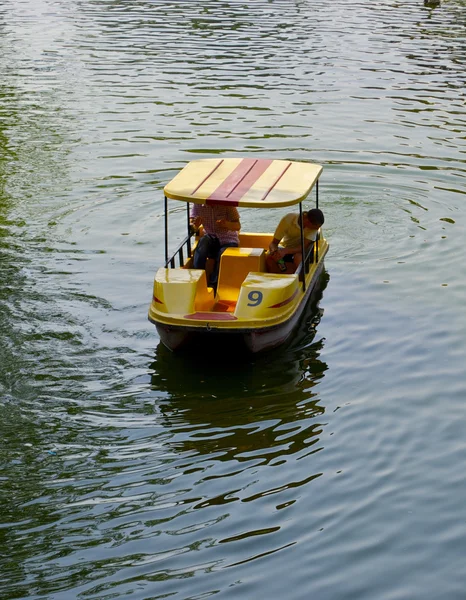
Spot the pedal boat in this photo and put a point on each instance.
(258, 308)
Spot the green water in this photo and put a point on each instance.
(329, 469)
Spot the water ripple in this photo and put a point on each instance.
(329, 469)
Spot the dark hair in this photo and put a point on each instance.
(316, 216)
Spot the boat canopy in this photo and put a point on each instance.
(244, 182)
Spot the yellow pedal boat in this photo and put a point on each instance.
(259, 308)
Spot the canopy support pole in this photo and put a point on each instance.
(303, 259)
(166, 228)
(189, 231)
(318, 231)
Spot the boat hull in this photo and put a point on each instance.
(259, 339)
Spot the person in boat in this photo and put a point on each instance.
(285, 250)
(220, 226)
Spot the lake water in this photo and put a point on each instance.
(330, 469)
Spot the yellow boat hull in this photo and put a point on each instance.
(258, 308)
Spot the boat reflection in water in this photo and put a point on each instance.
(228, 404)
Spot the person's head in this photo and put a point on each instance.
(314, 218)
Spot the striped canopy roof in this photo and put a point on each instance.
(247, 182)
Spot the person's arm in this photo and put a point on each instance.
(195, 220)
(273, 246)
(277, 236)
(232, 222)
(231, 225)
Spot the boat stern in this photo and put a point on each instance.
(180, 291)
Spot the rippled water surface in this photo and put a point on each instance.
(330, 469)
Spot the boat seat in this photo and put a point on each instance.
(182, 290)
(265, 295)
(235, 265)
(255, 240)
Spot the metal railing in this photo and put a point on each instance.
(311, 257)
(179, 253)
(170, 261)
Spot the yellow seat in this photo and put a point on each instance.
(235, 265)
(255, 240)
(182, 291)
(268, 295)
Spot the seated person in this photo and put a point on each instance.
(285, 250)
(220, 231)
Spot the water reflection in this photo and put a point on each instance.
(164, 478)
(165, 490)
(239, 407)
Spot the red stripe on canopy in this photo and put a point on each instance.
(239, 182)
